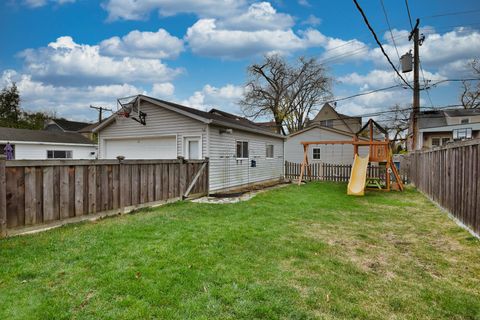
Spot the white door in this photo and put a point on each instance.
(192, 148)
(141, 148)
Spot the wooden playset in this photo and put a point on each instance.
(379, 152)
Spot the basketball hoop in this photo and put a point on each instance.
(122, 115)
(129, 107)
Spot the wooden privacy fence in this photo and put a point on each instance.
(34, 192)
(450, 177)
(330, 172)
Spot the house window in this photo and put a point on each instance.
(464, 121)
(435, 142)
(465, 133)
(316, 153)
(242, 149)
(269, 151)
(327, 123)
(445, 141)
(59, 154)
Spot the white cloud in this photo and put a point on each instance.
(312, 20)
(259, 16)
(139, 10)
(151, 45)
(69, 102)
(41, 3)
(304, 3)
(204, 38)
(224, 98)
(162, 90)
(65, 61)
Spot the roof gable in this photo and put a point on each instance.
(318, 126)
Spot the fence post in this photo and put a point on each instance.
(3, 198)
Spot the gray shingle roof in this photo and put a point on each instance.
(436, 118)
(13, 134)
(429, 119)
(68, 125)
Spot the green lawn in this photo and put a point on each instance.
(296, 252)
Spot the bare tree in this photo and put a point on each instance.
(470, 95)
(287, 93)
(396, 122)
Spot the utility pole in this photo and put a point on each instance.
(416, 83)
(100, 112)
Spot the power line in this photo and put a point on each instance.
(379, 43)
(365, 93)
(425, 84)
(409, 16)
(451, 13)
(389, 28)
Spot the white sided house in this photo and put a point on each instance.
(329, 153)
(46, 145)
(239, 152)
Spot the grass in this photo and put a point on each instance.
(296, 252)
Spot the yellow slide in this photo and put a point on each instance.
(358, 176)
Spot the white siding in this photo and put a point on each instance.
(227, 172)
(160, 123)
(341, 154)
(25, 151)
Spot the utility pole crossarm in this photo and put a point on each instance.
(100, 112)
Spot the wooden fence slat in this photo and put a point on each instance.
(30, 196)
(48, 210)
(79, 190)
(64, 181)
(115, 186)
(92, 189)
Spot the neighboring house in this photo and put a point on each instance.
(239, 151)
(41, 144)
(338, 154)
(328, 117)
(63, 125)
(439, 127)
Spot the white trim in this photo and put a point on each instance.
(186, 140)
(50, 143)
(208, 140)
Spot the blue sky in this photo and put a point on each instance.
(67, 54)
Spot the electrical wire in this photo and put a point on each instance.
(409, 15)
(425, 84)
(451, 13)
(379, 43)
(389, 28)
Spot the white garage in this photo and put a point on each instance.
(141, 148)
